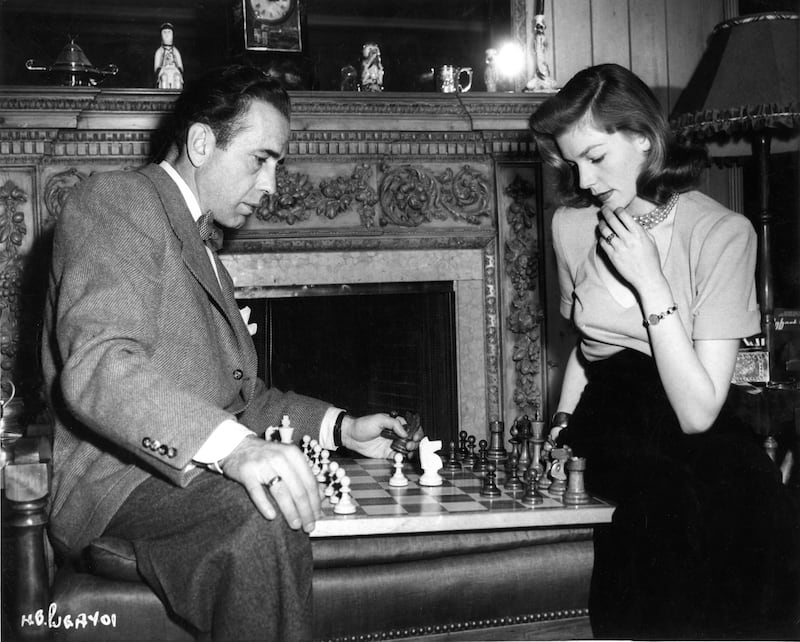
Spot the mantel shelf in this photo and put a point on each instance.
(91, 108)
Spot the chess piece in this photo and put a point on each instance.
(452, 465)
(286, 430)
(532, 496)
(324, 463)
(469, 460)
(398, 478)
(515, 446)
(333, 468)
(461, 453)
(576, 494)
(483, 458)
(514, 483)
(371, 68)
(336, 485)
(489, 487)
(431, 462)
(537, 440)
(497, 452)
(523, 437)
(558, 473)
(167, 63)
(345, 505)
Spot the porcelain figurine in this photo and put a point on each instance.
(371, 68)
(168, 64)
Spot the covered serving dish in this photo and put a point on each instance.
(73, 68)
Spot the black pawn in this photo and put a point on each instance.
(461, 453)
(514, 483)
(452, 465)
(483, 458)
(489, 488)
(470, 459)
(532, 496)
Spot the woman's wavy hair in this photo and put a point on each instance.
(220, 97)
(614, 99)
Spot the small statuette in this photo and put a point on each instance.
(371, 68)
(167, 63)
(490, 73)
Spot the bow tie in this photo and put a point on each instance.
(210, 234)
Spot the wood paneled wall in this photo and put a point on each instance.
(659, 40)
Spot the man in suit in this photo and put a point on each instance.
(151, 374)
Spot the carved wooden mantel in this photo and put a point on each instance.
(444, 183)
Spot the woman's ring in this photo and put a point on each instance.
(610, 237)
(273, 481)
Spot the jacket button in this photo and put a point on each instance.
(146, 442)
(172, 452)
(163, 450)
(238, 374)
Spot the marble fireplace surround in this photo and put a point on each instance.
(376, 189)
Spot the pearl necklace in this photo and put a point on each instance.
(656, 216)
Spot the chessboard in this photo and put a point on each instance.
(456, 505)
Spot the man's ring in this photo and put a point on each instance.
(273, 481)
(610, 237)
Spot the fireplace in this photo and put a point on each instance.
(450, 283)
(372, 347)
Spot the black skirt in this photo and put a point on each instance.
(703, 542)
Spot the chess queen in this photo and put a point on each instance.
(659, 281)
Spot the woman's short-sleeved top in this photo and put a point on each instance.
(709, 264)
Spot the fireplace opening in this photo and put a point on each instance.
(364, 347)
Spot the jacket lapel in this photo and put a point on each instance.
(193, 250)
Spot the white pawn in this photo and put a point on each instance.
(305, 444)
(398, 479)
(345, 505)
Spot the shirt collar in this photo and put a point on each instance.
(188, 195)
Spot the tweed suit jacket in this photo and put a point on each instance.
(143, 353)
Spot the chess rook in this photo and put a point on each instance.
(497, 452)
(576, 492)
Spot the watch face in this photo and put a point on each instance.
(272, 10)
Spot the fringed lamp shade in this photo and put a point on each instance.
(747, 81)
(743, 99)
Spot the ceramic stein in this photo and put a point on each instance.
(448, 79)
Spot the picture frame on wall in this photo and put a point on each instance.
(272, 25)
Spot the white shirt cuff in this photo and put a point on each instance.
(326, 429)
(222, 442)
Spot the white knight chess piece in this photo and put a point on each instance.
(431, 462)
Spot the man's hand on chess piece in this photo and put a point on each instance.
(367, 435)
(276, 475)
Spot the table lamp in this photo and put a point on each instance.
(743, 100)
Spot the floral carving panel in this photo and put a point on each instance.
(388, 194)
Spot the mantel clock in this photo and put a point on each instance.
(272, 25)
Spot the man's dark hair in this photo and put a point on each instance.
(219, 98)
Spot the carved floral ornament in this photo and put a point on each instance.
(12, 234)
(409, 196)
(525, 314)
